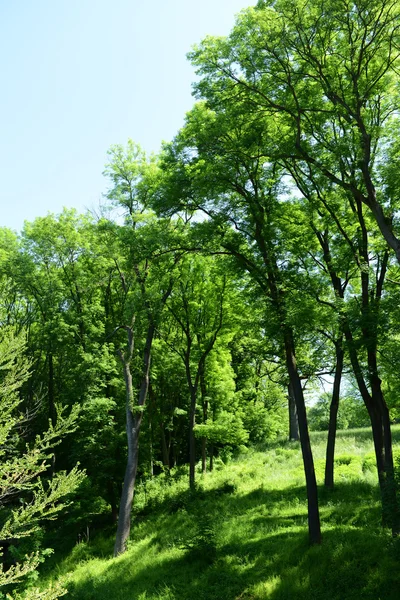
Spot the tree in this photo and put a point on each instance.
(146, 275)
(27, 496)
(216, 165)
(316, 83)
(58, 282)
(324, 74)
(199, 306)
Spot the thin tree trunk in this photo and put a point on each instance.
(373, 401)
(52, 407)
(204, 403)
(114, 513)
(125, 507)
(204, 455)
(113, 502)
(211, 457)
(386, 478)
(164, 448)
(293, 422)
(314, 526)
(151, 448)
(132, 432)
(133, 423)
(330, 448)
(277, 296)
(192, 438)
(212, 447)
(385, 225)
(174, 453)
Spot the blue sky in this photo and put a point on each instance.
(81, 75)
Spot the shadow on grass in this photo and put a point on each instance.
(260, 551)
(262, 510)
(351, 564)
(261, 547)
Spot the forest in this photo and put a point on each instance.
(229, 318)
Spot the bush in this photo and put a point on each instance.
(201, 543)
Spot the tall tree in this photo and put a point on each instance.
(146, 272)
(200, 307)
(228, 180)
(325, 73)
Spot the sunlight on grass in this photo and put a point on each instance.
(243, 535)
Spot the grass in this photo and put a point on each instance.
(243, 535)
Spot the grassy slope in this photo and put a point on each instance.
(243, 536)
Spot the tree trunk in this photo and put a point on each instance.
(132, 431)
(381, 433)
(293, 422)
(113, 502)
(204, 455)
(390, 492)
(385, 225)
(330, 448)
(151, 457)
(114, 513)
(192, 438)
(373, 401)
(52, 407)
(390, 509)
(204, 404)
(133, 423)
(314, 526)
(211, 457)
(164, 448)
(174, 458)
(125, 507)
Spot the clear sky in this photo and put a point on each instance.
(80, 75)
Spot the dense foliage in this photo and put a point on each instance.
(255, 256)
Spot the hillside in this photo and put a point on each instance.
(243, 535)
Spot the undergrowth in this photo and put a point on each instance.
(242, 534)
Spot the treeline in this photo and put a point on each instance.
(127, 328)
(259, 251)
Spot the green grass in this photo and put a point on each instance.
(243, 535)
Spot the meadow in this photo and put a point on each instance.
(242, 534)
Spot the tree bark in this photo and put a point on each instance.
(330, 448)
(384, 224)
(192, 438)
(125, 507)
(113, 502)
(374, 399)
(151, 452)
(314, 526)
(270, 283)
(204, 404)
(211, 457)
(164, 447)
(52, 407)
(293, 422)
(390, 511)
(133, 423)
(204, 455)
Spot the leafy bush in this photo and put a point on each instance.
(369, 462)
(348, 466)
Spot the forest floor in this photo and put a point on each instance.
(243, 534)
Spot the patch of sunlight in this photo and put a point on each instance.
(264, 589)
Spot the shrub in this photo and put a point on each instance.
(201, 542)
